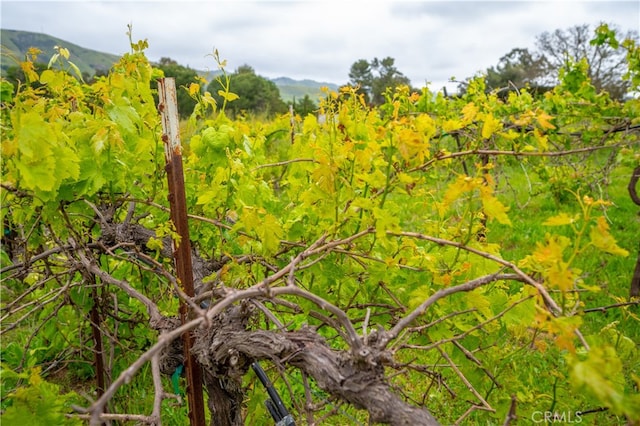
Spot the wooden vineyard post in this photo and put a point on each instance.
(634, 291)
(168, 107)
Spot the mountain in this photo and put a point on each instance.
(18, 42)
(89, 61)
(297, 89)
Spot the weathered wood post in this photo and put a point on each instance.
(168, 107)
(634, 291)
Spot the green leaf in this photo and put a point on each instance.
(476, 299)
(76, 70)
(125, 116)
(561, 219)
(44, 160)
(155, 244)
(6, 91)
(602, 238)
(39, 403)
(228, 95)
(601, 374)
(270, 233)
(53, 59)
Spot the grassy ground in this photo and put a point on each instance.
(612, 274)
(531, 204)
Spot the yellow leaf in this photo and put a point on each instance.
(425, 124)
(602, 239)
(154, 244)
(451, 125)
(494, 209)
(523, 120)
(324, 177)
(561, 276)
(310, 123)
(229, 96)
(559, 220)
(469, 112)
(34, 378)
(412, 144)
(510, 134)
(552, 252)
(563, 328)
(75, 69)
(32, 53)
(541, 139)
(461, 185)
(405, 178)
(543, 120)
(362, 203)
(490, 126)
(47, 77)
(100, 139)
(194, 88)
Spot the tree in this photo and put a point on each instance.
(374, 86)
(516, 70)
(256, 94)
(376, 279)
(361, 76)
(388, 78)
(91, 78)
(16, 75)
(304, 106)
(539, 69)
(607, 63)
(184, 77)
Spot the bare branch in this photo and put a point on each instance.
(284, 163)
(511, 416)
(466, 382)
(604, 309)
(551, 304)
(493, 152)
(150, 420)
(159, 393)
(91, 267)
(353, 339)
(97, 408)
(468, 286)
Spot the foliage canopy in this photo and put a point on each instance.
(256, 94)
(429, 259)
(606, 63)
(376, 78)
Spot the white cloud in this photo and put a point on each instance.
(430, 40)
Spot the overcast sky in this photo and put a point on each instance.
(431, 41)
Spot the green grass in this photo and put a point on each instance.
(612, 274)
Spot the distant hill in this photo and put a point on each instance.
(89, 61)
(290, 89)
